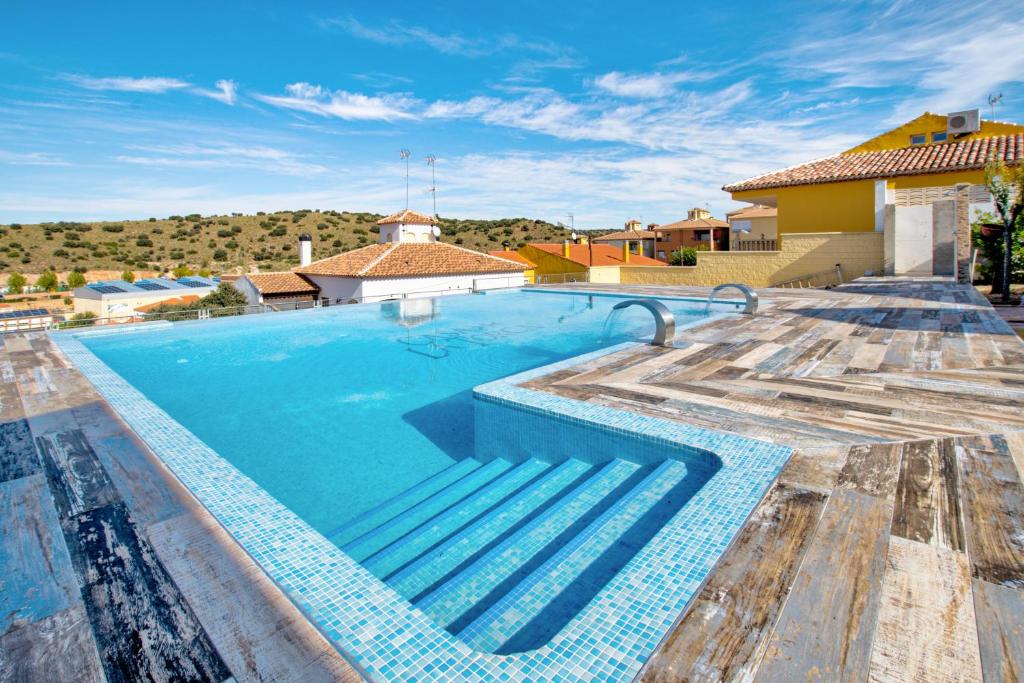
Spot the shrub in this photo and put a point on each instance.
(76, 279)
(220, 255)
(143, 241)
(113, 228)
(224, 233)
(687, 256)
(128, 276)
(193, 218)
(231, 244)
(279, 231)
(60, 253)
(336, 243)
(16, 283)
(182, 271)
(222, 221)
(83, 319)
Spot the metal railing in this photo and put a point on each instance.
(561, 278)
(824, 279)
(755, 245)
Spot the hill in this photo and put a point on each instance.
(233, 243)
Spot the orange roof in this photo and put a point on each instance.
(512, 256)
(604, 254)
(409, 259)
(696, 224)
(627, 235)
(282, 283)
(755, 211)
(407, 216)
(176, 301)
(939, 158)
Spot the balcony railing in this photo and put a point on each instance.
(755, 245)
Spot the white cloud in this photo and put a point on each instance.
(226, 92)
(258, 158)
(31, 159)
(651, 85)
(146, 84)
(315, 99)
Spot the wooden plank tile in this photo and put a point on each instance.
(723, 635)
(258, 631)
(151, 492)
(36, 576)
(143, 626)
(816, 469)
(872, 469)
(1000, 617)
(77, 478)
(993, 505)
(927, 507)
(926, 629)
(57, 648)
(827, 624)
(18, 457)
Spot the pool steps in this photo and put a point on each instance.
(502, 554)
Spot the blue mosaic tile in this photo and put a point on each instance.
(387, 638)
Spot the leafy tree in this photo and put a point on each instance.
(16, 283)
(83, 319)
(1006, 185)
(687, 256)
(223, 297)
(48, 281)
(182, 271)
(128, 276)
(76, 279)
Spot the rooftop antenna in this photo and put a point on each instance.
(572, 222)
(405, 154)
(993, 100)
(431, 161)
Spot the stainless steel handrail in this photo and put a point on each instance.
(665, 331)
(749, 294)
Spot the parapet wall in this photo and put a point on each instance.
(800, 254)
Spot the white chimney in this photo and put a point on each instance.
(305, 250)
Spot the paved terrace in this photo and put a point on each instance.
(891, 547)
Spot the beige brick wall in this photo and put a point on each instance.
(800, 254)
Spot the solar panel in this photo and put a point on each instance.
(109, 289)
(150, 286)
(30, 313)
(193, 283)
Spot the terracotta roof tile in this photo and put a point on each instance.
(604, 254)
(754, 212)
(887, 163)
(512, 256)
(627, 235)
(406, 259)
(696, 224)
(407, 216)
(175, 301)
(282, 283)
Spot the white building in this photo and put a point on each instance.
(408, 262)
(120, 299)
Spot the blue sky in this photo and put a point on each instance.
(121, 110)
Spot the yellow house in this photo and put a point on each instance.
(901, 182)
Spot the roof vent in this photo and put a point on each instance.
(962, 122)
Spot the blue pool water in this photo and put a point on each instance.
(499, 524)
(336, 412)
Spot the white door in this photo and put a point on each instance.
(913, 240)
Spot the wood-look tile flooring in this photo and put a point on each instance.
(891, 547)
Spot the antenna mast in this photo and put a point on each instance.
(993, 100)
(405, 154)
(431, 160)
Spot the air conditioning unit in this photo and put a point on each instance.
(960, 122)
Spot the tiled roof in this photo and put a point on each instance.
(175, 301)
(887, 163)
(755, 211)
(408, 259)
(282, 283)
(407, 216)
(627, 235)
(604, 254)
(697, 224)
(512, 256)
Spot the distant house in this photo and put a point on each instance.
(753, 228)
(641, 242)
(408, 261)
(120, 299)
(698, 230)
(531, 271)
(276, 288)
(561, 262)
(905, 184)
(25, 319)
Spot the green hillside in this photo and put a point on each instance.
(226, 244)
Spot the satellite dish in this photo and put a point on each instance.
(574, 236)
(436, 230)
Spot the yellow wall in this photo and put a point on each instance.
(548, 263)
(830, 207)
(927, 124)
(767, 225)
(799, 255)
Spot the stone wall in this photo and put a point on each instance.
(799, 255)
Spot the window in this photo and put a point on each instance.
(661, 254)
(918, 139)
(939, 137)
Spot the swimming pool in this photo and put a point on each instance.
(491, 529)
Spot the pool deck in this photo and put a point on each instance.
(891, 547)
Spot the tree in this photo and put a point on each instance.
(1006, 185)
(76, 279)
(182, 271)
(225, 296)
(48, 281)
(128, 276)
(687, 256)
(16, 283)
